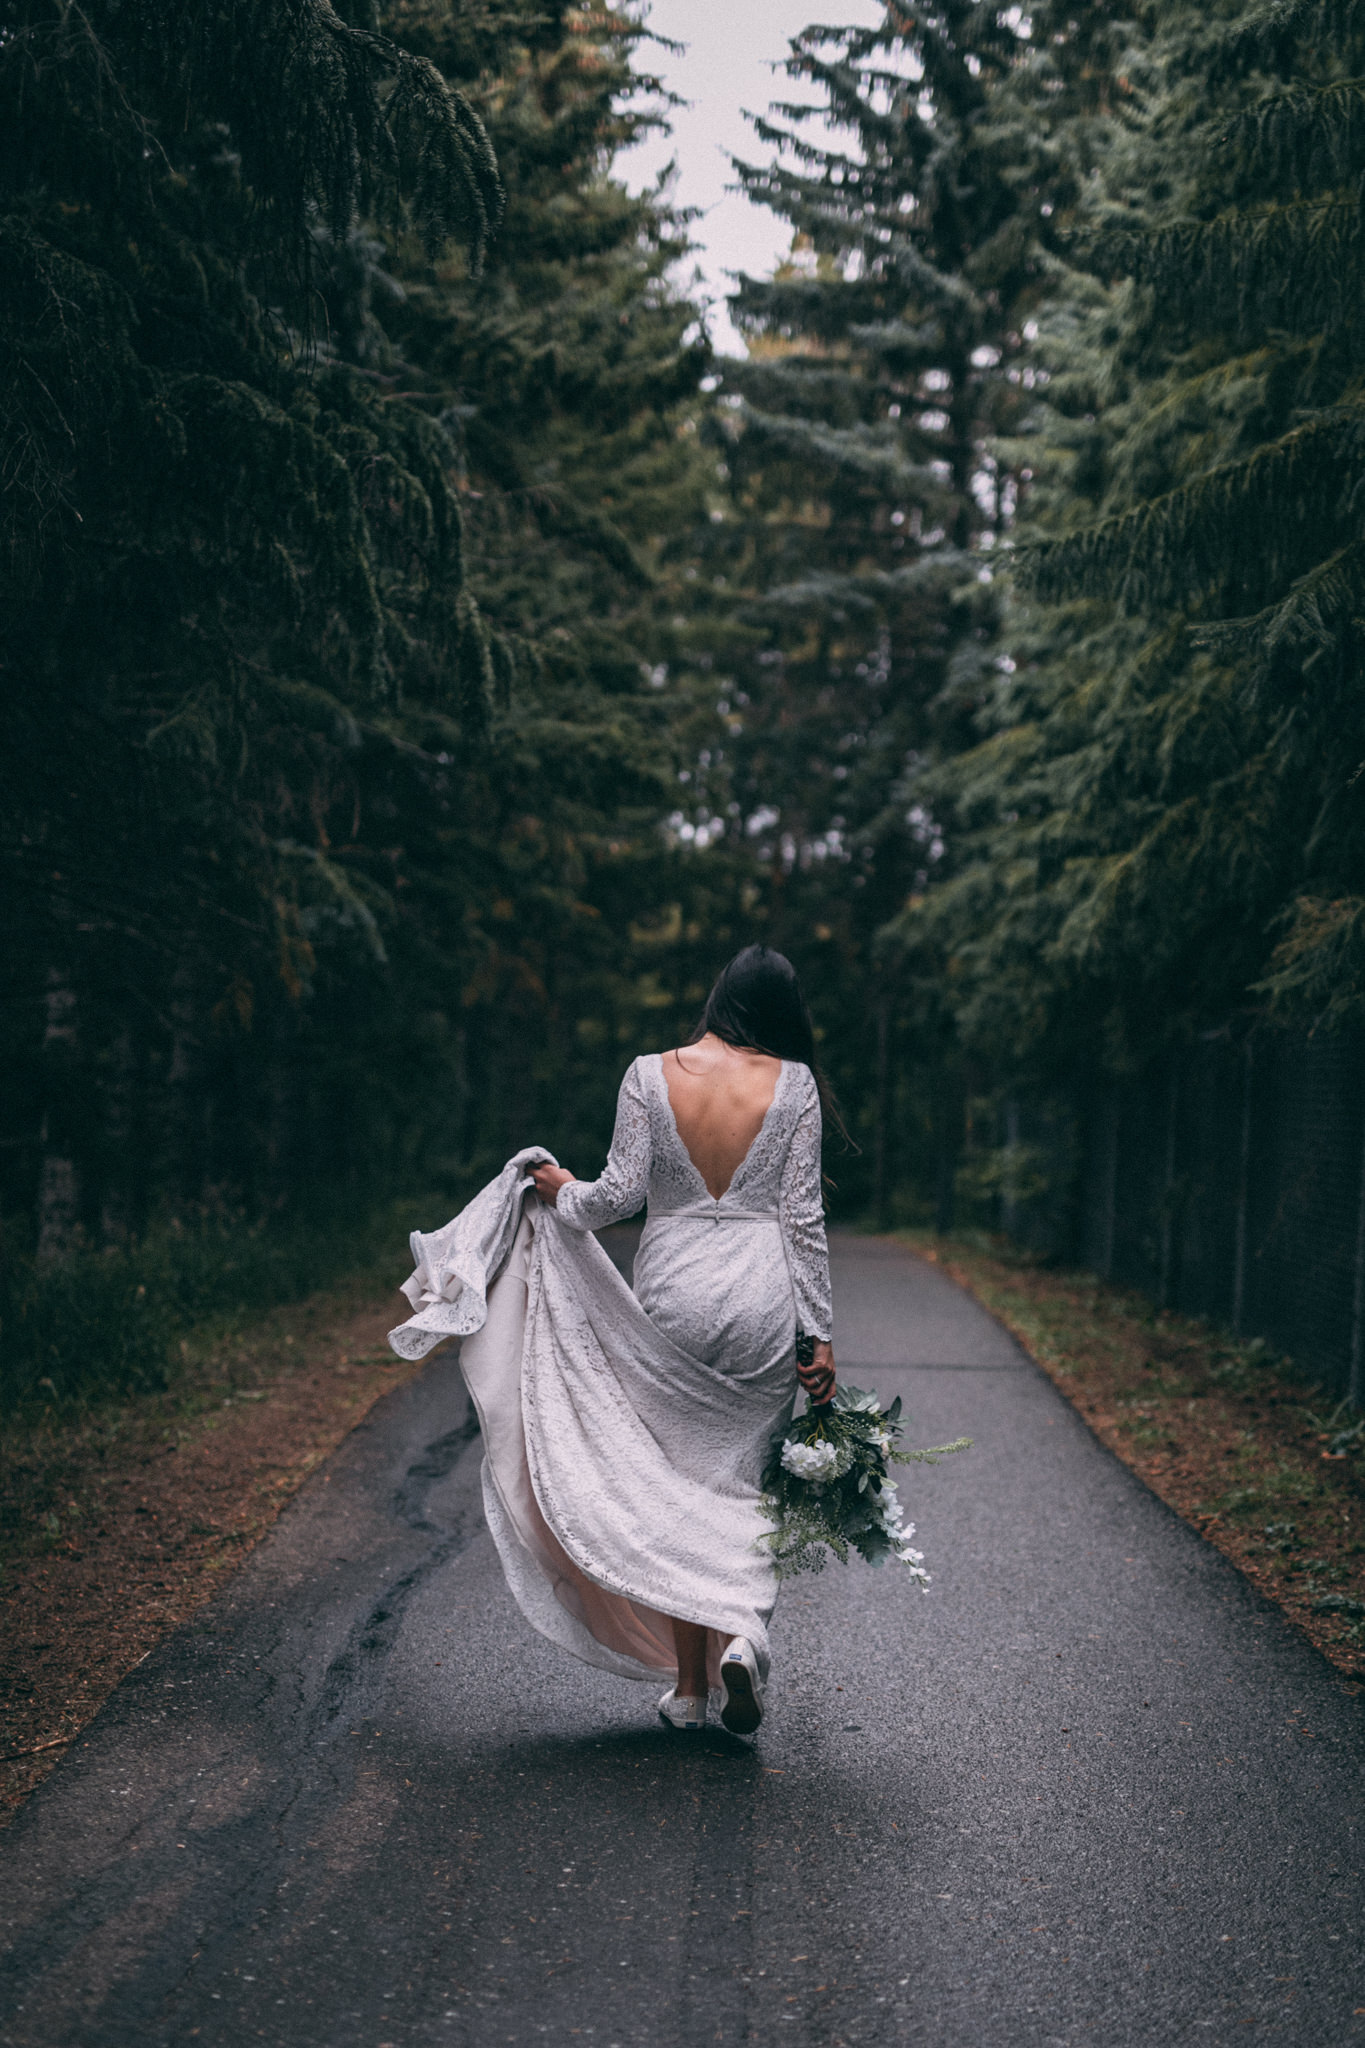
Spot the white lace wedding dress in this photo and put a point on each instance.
(625, 1433)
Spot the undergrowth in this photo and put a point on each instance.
(105, 1325)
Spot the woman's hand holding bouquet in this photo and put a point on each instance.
(815, 1369)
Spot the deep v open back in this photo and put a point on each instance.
(716, 1094)
(730, 1278)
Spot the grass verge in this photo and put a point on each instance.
(1265, 1464)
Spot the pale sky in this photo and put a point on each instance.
(732, 46)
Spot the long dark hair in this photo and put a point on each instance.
(757, 1005)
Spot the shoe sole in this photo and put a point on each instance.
(742, 1712)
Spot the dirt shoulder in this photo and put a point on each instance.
(115, 1527)
(1264, 1464)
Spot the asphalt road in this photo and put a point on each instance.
(1090, 1789)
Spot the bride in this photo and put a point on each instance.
(625, 1433)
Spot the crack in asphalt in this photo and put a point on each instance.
(240, 1865)
(437, 1461)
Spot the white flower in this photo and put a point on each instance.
(912, 1559)
(888, 1512)
(813, 1462)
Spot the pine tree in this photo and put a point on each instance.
(1164, 822)
(337, 752)
(214, 554)
(853, 610)
(569, 370)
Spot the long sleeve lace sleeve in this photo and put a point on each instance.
(803, 1223)
(621, 1191)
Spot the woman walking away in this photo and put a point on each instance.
(625, 1433)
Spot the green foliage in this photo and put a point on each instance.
(840, 634)
(568, 373)
(102, 1325)
(1156, 827)
(336, 551)
(847, 1500)
(292, 110)
(424, 663)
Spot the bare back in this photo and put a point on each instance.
(720, 1096)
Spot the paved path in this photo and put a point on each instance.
(1089, 1790)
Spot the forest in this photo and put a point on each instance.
(425, 660)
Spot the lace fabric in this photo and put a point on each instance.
(625, 1432)
(779, 1174)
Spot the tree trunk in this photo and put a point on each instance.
(1009, 1190)
(59, 1185)
(181, 1108)
(881, 1157)
(118, 1202)
(948, 1146)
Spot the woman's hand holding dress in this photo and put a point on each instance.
(549, 1180)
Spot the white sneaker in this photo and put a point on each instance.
(743, 1709)
(682, 1712)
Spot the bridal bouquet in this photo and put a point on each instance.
(825, 1486)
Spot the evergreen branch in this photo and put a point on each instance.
(1317, 970)
(860, 454)
(1311, 619)
(948, 290)
(805, 386)
(1241, 526)
(805, 305)
(439, 138)
(1291, 265)
(839, 222)
(902, 347)
(67, 373)
(341, 894)
(1312, 135)
(1271, 32)
(870, 593)
(56, 67)
(561, 513)
(319, 115)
